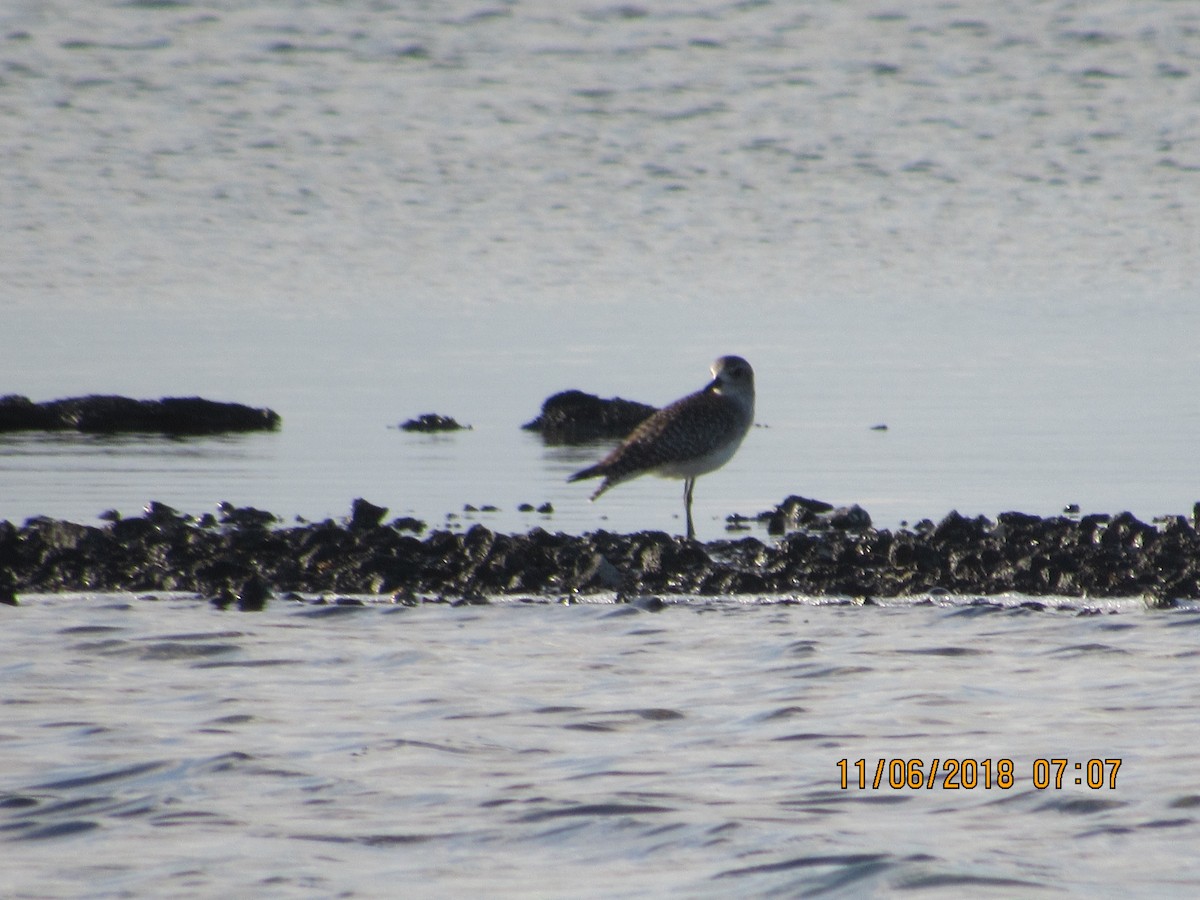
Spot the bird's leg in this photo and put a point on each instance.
(688, 486)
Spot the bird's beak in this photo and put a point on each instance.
(712, 385)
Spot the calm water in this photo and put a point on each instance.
(972, 222)
(158, 747)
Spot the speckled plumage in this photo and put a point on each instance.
(689, 438)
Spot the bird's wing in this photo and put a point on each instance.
(689, 428)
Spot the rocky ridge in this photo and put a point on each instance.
(244, 556)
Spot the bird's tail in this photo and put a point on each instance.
(589, 472)
(593, 472)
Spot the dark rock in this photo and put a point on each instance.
(22, 414)
(251, 596)
(573, 417)
(794, 512)
(956, 530)
(245, 516)
(224, 597)
(8, 590)
(107, 414)
(250, 557)
(364, 514)
(161, 514)
(850, 518)
(1017, 522)
(431, 422)
(254, 594)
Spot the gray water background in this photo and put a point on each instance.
(972, 222)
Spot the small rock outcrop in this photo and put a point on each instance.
(573, 417)
(109, 414)
(432, 422)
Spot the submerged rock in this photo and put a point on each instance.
(247, 558)
(107, 414)
(573, 417)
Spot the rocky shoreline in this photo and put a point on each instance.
(244, 557)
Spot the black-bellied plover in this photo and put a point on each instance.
(691, 437)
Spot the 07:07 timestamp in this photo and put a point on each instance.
(962, 773)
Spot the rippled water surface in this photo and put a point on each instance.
(159, 747)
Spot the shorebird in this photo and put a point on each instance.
(692, 437)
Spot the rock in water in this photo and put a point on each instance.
(108, 414)
(573, 417)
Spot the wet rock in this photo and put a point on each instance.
(850, 518)
(19, 413)
(245, 516)
(408, 523)
(252, 596)
(364, 514)
(432, 422)
(8, 590)
(250, 557)
(573, 417)
(956, 530)
(793, 513)
(160, 514)
(109, 414)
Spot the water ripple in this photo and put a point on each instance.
(530, 740)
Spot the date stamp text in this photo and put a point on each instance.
(961, 773)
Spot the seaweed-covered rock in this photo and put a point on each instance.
(573, 417)
(249, 557)
(432, 422)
